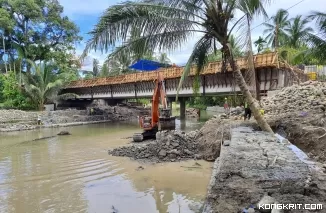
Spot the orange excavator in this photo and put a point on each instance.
(157, 121)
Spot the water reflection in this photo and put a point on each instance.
(75, 174)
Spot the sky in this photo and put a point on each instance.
(86, 13)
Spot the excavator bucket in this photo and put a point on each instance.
(166, 121)
(138, 137)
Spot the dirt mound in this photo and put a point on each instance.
(298, 113)
(306, 97)
(168, 146)
(210, 136)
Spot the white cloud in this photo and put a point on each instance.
(83, 7)
(181, 57)
(87, 64)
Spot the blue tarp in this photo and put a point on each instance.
(147, 65)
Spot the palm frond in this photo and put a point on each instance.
(151, 19)
(199, 56)
(66, 96)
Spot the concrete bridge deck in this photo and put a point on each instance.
(271, 74)
(255, 163)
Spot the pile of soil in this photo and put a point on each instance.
(169, 146)
(210, 136)
(298, 113)
(306, 97)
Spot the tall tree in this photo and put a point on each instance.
(166, 25)
(96, 67)
(40, 28)
(235, 45)
(163, 58)
(298, 31)
(104, 70)
(260, 44)
(6, 25)
(276, 30)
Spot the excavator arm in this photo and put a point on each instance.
(159, 94)
(150, 124)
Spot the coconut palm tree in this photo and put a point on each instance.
(119, 64)
(260, 44)
(236, 46)
(167, 24)
(251, 8)
(104, 70)
(42, 86)
(318, 41)
(277, 29)
(96, 67)
(163, 58)
(298, 31)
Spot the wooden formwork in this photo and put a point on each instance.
(268, 60)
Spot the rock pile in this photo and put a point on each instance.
(298, 114)
(193, 113)
(169, 146)
(15, 120)
(306, 97)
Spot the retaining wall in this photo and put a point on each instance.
(253, 164)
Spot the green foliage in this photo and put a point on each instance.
(298, 32)
(318, 41)
(260, 44)
(276, 29)
(196, 85)
(168, 24)
(2, 82)
(38, 28)
(43, 85)
(104, 70)
(203, 102)
(12, 93)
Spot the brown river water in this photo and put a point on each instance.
(75, 174)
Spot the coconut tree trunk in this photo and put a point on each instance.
(250, 99)
(251, 70)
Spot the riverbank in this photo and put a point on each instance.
(17, 120)
(253, 167)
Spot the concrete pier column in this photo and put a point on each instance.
(170, 101)
(182, 108)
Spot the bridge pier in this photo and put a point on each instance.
(182, 108)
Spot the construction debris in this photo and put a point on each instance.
(168, 146)
(298, 114)
(308, 97)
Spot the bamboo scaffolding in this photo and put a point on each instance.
(267, 60)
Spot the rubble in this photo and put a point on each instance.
(192, 113)
(308, 97)
(169, 146)
(298, 113)
(17, 120)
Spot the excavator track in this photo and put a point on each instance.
(138, 137)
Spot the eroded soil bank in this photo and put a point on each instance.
(17, 120)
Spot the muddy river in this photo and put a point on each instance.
(75, 174)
